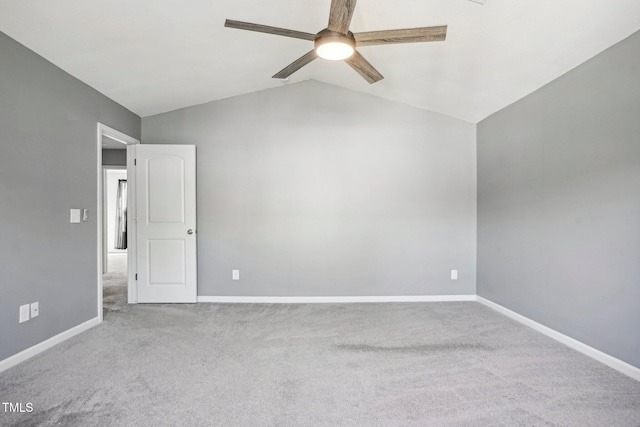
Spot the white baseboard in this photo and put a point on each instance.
(352, 299)
(12, 361)
(583, 348)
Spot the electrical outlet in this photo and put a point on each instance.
(24, 313)
(35, 309)
(235, 274)
(454, 274)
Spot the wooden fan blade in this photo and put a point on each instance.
(362, 66)
(269, 30)
(340, 15)
(296, 65)
(407, 35)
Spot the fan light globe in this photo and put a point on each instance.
(334, 46)
(334, 51)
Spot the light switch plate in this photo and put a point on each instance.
(24, 313)
(454, 274)
(74, 216)
(35, 309)
(235, 274)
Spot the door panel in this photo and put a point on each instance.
(166, 191)
(166, 211)
(167, 262)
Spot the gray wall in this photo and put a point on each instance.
(559, 204)
(48, 165)
(114, 157)
(310, 189)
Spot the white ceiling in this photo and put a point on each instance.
(153, 56)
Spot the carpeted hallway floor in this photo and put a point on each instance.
(393, 364)
(114, 284)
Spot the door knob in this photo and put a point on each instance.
(189, 231)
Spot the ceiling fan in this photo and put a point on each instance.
(336, 42)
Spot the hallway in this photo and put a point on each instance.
(114, 283)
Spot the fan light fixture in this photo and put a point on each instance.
(334, 46)
(336, 42)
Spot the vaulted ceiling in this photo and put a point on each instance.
(153, 56)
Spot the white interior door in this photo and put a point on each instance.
(166, 223)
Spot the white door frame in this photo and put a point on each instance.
(102, 131)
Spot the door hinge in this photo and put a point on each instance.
(136, 276)
(135, 162)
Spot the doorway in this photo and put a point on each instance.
(116, 223)
(115, 226)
